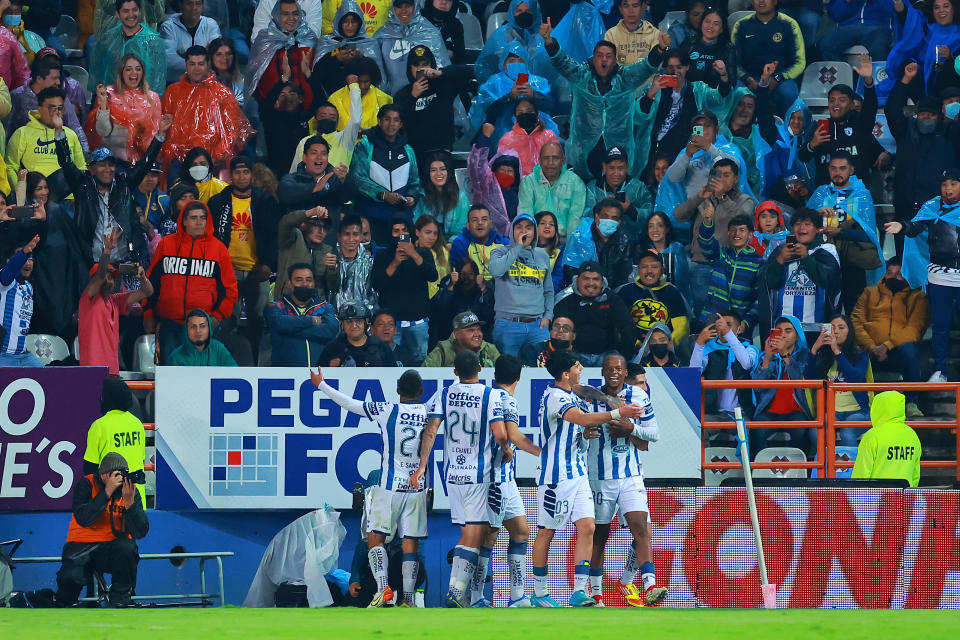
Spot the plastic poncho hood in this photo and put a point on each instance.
(916, 251)
(579, 31)
(530, 39)
(136, 111)
(337, 40)
(208, 116)
(272, 39)
(113, 45)
(752, 145)
(483, 187)
(918, 41)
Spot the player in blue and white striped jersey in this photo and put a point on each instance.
(616, 481)
(394, 506)
(564, 493)
(504, 505)
(16, 308)
(473, 420)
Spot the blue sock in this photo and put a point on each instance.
(581, 576)
(648, 575)
(540, 588)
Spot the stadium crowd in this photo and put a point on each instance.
(283, 183)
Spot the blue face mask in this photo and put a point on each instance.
(952, 110)
(11, 20)
(607, 227)
(516, 68)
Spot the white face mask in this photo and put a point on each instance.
(199, 172)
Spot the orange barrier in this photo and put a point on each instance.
(144, 385)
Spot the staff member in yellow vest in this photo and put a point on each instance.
(108, 516)
(116, 430)
(890, 449)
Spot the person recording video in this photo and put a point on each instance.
(108, 517)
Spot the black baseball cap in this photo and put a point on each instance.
(649, 253)
(466, 319)
(590, 266)
(240, 162)
(616, 153)
(929, 104)
(706, 114)
(950, 174)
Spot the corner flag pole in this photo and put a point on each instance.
(744, 452)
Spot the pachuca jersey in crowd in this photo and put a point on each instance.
(617, 458)
(561, 441)
(469, 411)
(505, 471)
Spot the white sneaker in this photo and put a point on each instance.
(937, 377)
(913, 411)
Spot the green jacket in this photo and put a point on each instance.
(213, 355)
(445, 351)
(891, 448)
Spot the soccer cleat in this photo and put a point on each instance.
(655, 595)
(581, 599)
(382, 599)
(451, 602)
(544, 601)
(631, 594)
(599, 600)
(482, 603)
(522, 603)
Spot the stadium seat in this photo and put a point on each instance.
(66, 29)
(143, 354)
(735, 17)
(820, 77)
(461, 176)
(472, 35)
(48, 348)
(780, 454)
(713, 478)
(80, 75)
(494, 7)
(847, 454)
(494, 22)
(76, 348)
(464, 7)
(739, 5)
(853, 54)
(671, 18)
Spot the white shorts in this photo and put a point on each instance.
(504, 503)
(468, 503)
(397, 512)
(566, 501)
(623, 496)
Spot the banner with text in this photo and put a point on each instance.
(255, 438)
(44, 418)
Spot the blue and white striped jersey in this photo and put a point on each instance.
(561, 442)
(617, 458)
(505, 471)
(16, 306)
(400, 427)
(469, 411)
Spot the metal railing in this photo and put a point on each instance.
(145, 385)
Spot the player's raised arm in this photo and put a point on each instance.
(427, 439)
(350, 404)
(521, 441)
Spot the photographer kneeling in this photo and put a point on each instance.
(108, 516)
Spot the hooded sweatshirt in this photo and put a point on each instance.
(191, 273)
(523, 285)
(890, 449)
(466, 246)
(32, 147)
(633, 46)
(212, 355)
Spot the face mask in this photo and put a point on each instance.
(560, 345)
(303, 293)
(952, 110)
(895, 285)
(524, 20)
(516, 68)
(505, 180)
(659, 350)
(527, 121)
(926, 125)
(199, 172)
(11, 20)
(326, 126)
(607, 227)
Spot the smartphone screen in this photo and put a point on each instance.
(823, 126)
(698, 130)
(523, 78)
(22, 213)
(791, 239)
(776, 333)
(669, 81)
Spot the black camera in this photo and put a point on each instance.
(138, 477)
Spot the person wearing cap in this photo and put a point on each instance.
(551, 186)
(108, 517)
(128, 35)
(23, 100)
(181, 31)
(301, 324)
(926, 145)
(936, 261)
(426, 103)
(651, 298)
(615, 182)
(603, 114)
(847, 129)
(100, 310)
(154, 206)
(404, 29)
(467, 335)
(600, 238)
(602, 320)
(354, 346)
(523, 292)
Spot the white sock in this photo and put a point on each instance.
(540, 585)
(596, 585)
(409, 569)
(460, 578)
(517, 559)
(631, 568)
(377, 557)
(480, 574)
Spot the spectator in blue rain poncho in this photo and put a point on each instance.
(785, 141)
(522, 25)
(582, 28)
(929, 37)
(740, 127)
(404, 29)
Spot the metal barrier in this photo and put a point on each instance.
(145, 385)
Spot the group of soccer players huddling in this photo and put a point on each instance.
(590, 471)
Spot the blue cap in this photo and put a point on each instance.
(102, 153)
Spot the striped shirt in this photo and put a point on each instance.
(618, 458)
(561, 441)
(468, 411)
(502, 471)
(16, 306)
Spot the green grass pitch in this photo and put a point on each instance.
(536, 624)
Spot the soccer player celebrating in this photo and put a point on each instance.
(564, 493)
(395, 506)
(471, 414)
(616, 480)
(504, 504)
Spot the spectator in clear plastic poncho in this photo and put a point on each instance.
(404, 29)
(334, 51)
(282, 53)
(130, 35)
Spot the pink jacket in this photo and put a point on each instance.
(13, 63)
(526, 145)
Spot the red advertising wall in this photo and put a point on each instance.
(866, 548)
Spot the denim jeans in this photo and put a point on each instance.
(850, 435)
(511, 337)
(876, 38)
(25, 359)
(905, 361)
(699, 286)
(809, 22)
(414, 339)
(240, 44)
(784, 95)
(943, 300)
(805, 439)
(591, 359)
(53, 41)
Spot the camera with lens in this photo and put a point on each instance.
(138, 477)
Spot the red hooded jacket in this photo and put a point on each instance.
(191, 273)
